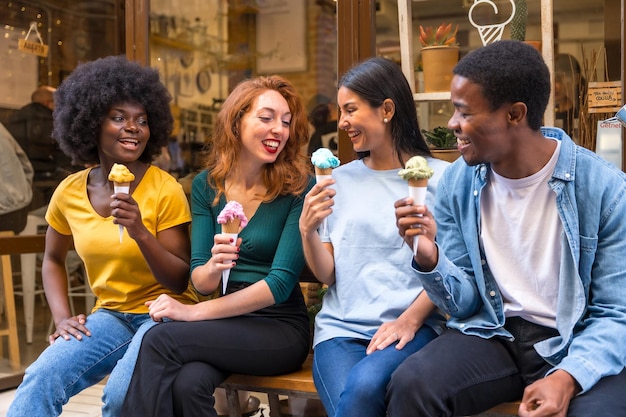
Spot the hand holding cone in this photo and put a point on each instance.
(231, 218)
(324, 162)
(121, 178)
(417, 172)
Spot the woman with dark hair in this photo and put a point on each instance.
(108, 111)
(373, 315)
(260, 325)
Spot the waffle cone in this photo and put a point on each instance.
(231, 226)
(418, 182)
(323, 171)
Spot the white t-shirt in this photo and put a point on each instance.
(521, 234)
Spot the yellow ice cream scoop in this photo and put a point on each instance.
(120, 174)
(121, 178)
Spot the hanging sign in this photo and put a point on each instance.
(35, 48)
(604, 97)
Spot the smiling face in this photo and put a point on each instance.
(481, 132)
(265, 128)
(124, 133)
(364, 124)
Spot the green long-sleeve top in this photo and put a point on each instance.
(271, 247)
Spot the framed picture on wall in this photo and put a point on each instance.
(281, 36)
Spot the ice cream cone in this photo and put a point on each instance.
(322, 174)
(417, 191)
(233, 242)
(323, 171)
(417, 172)
(418, 182)
(324, 161)
(232, 218)
(490, 33)
(121, 187)
(121, 177)
(231, 226)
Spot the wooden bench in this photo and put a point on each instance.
(297, 384)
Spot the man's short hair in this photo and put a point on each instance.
(509, 72)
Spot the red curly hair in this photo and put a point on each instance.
(289, 174)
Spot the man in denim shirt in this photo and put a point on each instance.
(529, 261)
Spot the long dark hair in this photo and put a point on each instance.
(378, 79)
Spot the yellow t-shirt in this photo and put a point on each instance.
(117, 272)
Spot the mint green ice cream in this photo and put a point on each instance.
(416, 168)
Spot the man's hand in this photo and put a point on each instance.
(549, 396)
(418, 221)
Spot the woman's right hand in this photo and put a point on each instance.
(70, 327)
(224, 249)
(417, 221)
(224, 255)
(317, 206)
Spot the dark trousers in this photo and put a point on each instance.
(181, 363)
(460, 375)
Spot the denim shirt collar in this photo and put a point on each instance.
(565, 169)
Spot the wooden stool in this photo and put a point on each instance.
(9, 309)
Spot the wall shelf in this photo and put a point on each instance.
(438, 96)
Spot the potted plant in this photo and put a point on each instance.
(518, 24)
(442, 143)
(440, 53)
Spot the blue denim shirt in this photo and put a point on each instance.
(591, 309)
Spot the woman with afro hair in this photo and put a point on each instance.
(109, 111)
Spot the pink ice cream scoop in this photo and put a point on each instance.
(232, 217)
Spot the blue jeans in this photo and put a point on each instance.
(352, 383)
(68, 366)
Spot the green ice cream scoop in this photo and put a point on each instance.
(416, 168)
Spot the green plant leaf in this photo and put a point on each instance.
(440, 137)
